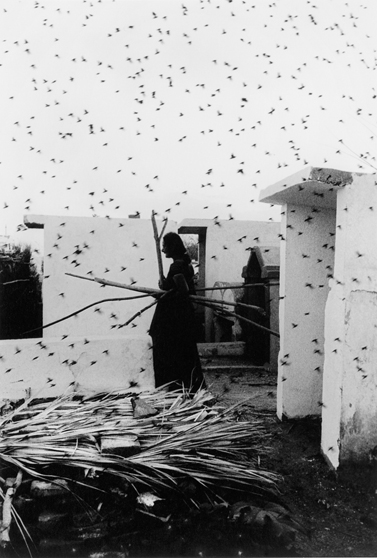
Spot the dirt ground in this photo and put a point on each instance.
(340, 509)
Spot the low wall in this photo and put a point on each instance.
(49, 367)
(89, 352)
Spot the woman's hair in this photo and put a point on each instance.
(176, 247)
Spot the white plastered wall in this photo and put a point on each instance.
(307, 259)
(52, 366)
(121, 250)
(341, 325)
(349, 414)
(88, 352)
(226, 254)
(227, 244)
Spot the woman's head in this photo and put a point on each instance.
(172, 245)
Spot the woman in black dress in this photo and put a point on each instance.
(175, 353)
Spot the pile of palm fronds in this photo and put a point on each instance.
(187, 436)
(193, 454)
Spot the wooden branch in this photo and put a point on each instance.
(261, 311)
(15, 281)
(234, 304)
(145, 290)
(129, 287)
(234, 315)
(138, 314)
(157, 240)
(212, 303)
(163, 229)
(238, 286)
(154, 292)
(82, 310)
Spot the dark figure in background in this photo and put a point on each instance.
(175, 353)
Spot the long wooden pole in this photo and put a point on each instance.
(83, 309)
(138, 314)
(222, 302)
(119, 285)
(157, 239)
(237, 286)
(153, 292)
(233, 314)
(200, 300)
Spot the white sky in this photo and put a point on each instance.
(113, 107)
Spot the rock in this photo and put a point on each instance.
(58, 546)
(142, 409)
(42, 489)
(108, 554)
(90, 532)
(120, 445)
(49, 521)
